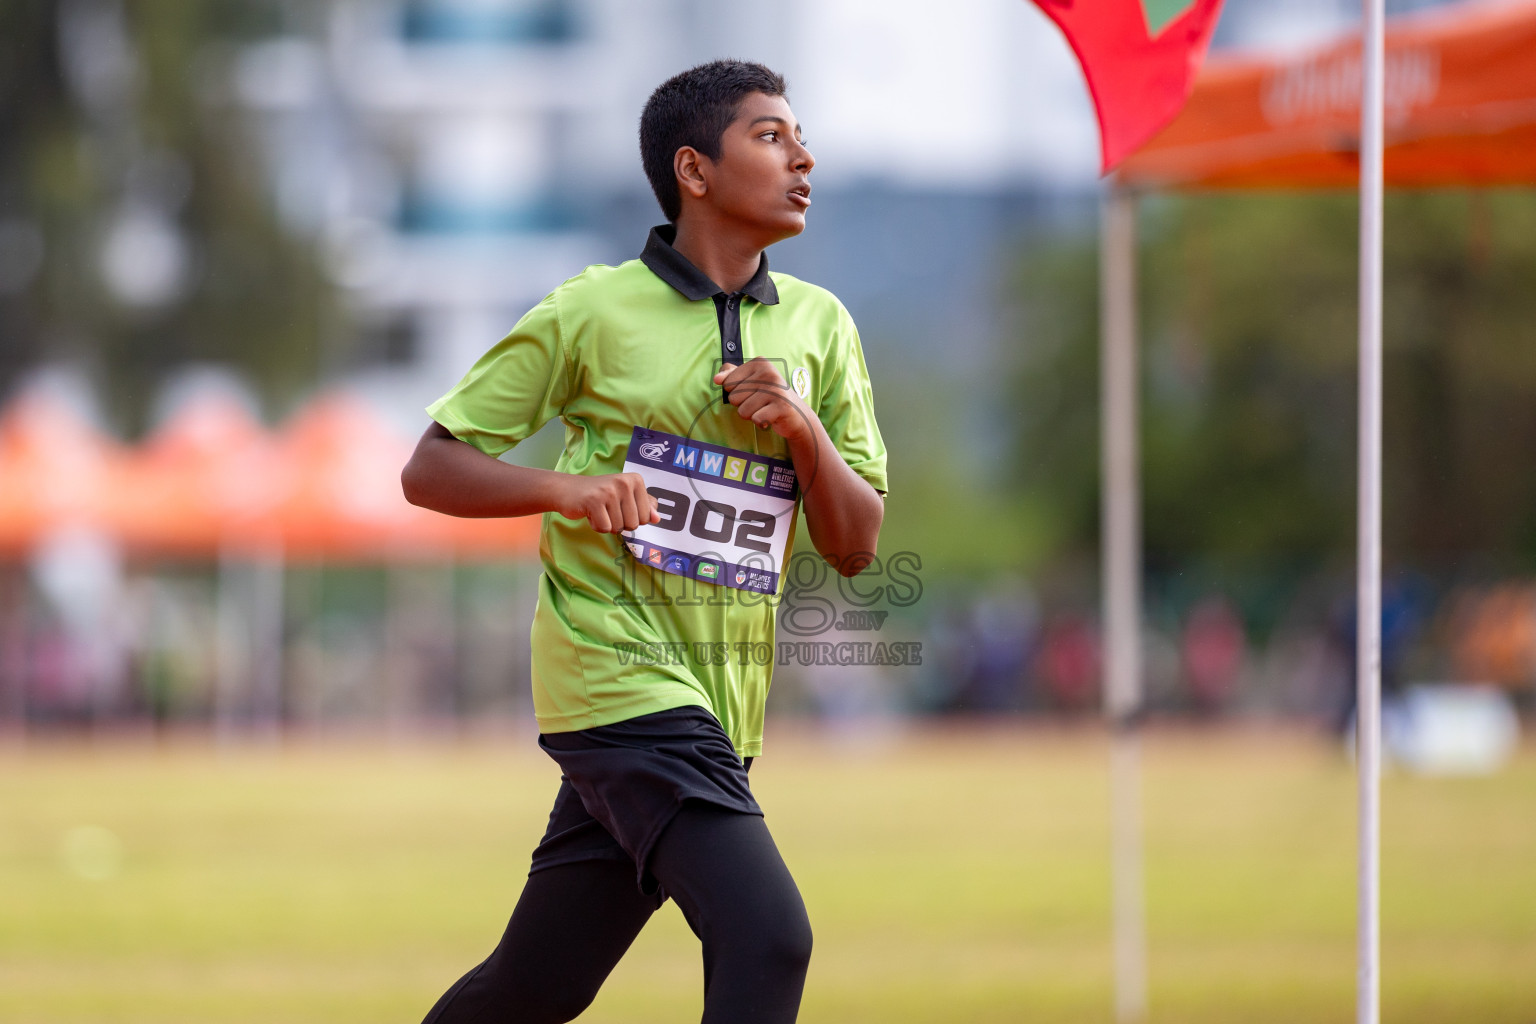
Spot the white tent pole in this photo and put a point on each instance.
(1121, 563)
(1368, 601)
(231, 644)
(268, 574)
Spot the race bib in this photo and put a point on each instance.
(725, 514)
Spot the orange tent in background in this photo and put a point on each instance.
(1460, 108)
(209, 479)
(56, 472)
(212, 481)
(343, 499)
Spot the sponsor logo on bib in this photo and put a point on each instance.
(654, 450)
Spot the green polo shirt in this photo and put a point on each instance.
(637, 345)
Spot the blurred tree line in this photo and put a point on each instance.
(1248, 313)
(135, 232)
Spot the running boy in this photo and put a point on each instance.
(703, 399)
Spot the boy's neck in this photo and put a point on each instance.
(728, 261)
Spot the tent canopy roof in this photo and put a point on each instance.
(213, 481)
(1460, 97)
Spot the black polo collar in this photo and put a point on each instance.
(673, 267)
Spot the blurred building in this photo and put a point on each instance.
(423, 144)
(458, 158)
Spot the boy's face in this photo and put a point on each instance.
(761, 179)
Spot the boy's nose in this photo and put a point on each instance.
(803, 160)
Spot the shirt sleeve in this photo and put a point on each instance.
(514, 389)
(848, 409)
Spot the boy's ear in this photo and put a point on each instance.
(688, 165)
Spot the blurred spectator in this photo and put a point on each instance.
(1213, 648)
(1401, 616)
(1069, 662)
(1494, 636)
(80, 575)
(982, 650)
(1003, 627)
(854, 698)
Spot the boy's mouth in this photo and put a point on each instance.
(801, 194)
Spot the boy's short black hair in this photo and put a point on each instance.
(694, 109)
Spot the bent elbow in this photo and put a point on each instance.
(412, 486)
(857, 562)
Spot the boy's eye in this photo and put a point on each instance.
(772, 135)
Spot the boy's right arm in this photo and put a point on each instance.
(450, 476)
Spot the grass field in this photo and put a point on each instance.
(955, 875)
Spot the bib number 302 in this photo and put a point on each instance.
(725, 514)
(713, 520)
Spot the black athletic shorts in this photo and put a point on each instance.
(621, 784)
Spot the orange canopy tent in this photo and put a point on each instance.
(343, 499)
(213, 482)
(208, 480)
(56, 472)
(1460, 110)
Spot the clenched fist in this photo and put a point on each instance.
(759, 393)
(612, 503)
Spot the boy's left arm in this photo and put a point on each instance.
(842, 511)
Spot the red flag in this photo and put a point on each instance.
(1140, 59)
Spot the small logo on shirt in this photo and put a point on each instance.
(800, 380)
(654, 450)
